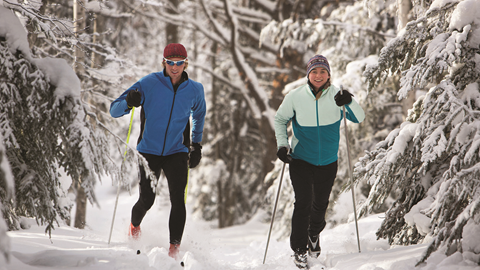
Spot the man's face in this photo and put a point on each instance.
(175, 71)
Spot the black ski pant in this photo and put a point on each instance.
(312, 186)
(176, 171)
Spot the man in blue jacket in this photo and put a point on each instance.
(168, 99)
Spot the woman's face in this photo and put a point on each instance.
(318, 77)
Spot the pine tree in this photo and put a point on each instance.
(46, 130)
(7, 192)
(431, 162)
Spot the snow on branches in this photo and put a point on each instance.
(431, 163)
(51, 140)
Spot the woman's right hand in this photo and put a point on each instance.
(284, 155)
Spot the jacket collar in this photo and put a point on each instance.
(311, 91)
(164, 77)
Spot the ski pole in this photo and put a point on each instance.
(274, 210)
(350, 172)
(123, 161)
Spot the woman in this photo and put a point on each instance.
(316, 112)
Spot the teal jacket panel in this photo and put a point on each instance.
(315, 123)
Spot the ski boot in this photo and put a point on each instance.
(174, 250)
(314, 246)
(300, 259)
(134, 232)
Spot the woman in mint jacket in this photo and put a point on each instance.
(316, 111)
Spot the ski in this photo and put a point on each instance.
(187, 260)
(303, 266)
(316, 264)
(311, 263)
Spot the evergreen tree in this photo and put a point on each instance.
(46, 130)
(6, 191)
(431, 162)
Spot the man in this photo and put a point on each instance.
(315, 110)
(167, 98)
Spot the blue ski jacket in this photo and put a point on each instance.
(166, 111)
(315, 123)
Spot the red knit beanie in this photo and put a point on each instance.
(175, 50)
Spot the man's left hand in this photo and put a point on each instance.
(195, 155)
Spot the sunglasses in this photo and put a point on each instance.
(172, 63)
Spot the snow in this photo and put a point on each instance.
(13, 31)
(102, 8)
(268, 4)
(57, 70)
(237, 247)
(440, 3)
(61, 75)
(434, 145)
(471, 242)
(406, 134)
(416, 216)
(352, 78)
(466, 12)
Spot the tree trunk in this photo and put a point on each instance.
(172, 29)
(264, 123)
(221, 189)
(81, 211)
(214, 115)
(404, 7)
(98, 28)
(220, 205)
(79, 26)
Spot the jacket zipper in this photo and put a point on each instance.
(318, 129)
(169, 119)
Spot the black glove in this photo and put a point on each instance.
(343, 99)
(195, 155)
(283, 155)
(134, 97)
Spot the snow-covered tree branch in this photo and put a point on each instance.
(429, 162)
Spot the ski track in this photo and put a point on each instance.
(210, 248)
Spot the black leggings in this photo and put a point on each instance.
(176, 170)
(312, 186)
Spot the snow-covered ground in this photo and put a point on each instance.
(239, 247)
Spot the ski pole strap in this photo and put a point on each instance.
(128, 135)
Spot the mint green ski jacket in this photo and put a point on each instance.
(315, 123)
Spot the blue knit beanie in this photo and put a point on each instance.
(318, 61)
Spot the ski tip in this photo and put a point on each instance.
(138, 251)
